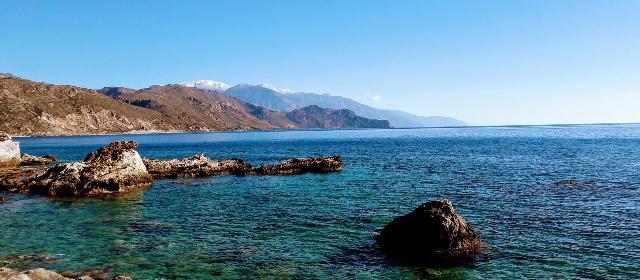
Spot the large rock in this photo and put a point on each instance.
(34, 274)
(28, 159)
(195, 166)
(9, 151)
(432, 233)
(302, 165)
(112, 169)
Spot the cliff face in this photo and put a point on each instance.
(316, 117)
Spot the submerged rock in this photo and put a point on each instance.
(195, 166)
(28, 159)
(302, 165)
(112, 169)
(9, 151)
(573, 184)
(432, 233)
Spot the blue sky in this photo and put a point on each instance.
(485, 62)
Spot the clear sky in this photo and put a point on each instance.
(485, 62)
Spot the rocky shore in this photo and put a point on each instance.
(118, 168)
(43, 274)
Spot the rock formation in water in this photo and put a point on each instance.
(118, 168)
(302, 165)
(35, 274)
(432, 233)
(43, 274)
(9, 151)
(112, 169)
(28, 159)
(195, 166)
(201, 166)
(16, 179)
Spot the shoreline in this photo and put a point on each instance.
(160, 132)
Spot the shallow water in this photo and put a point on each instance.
(501, 179)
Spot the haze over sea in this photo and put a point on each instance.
(500, 179)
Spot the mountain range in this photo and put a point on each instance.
(36, 108)
(285, 100)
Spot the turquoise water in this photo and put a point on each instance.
(501, 179)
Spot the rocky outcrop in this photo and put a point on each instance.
(28, 159)
(9, 151)
(432, 233)
(16, 179)
(43, 274)
(34, 274)
(195, 166)
(202, 166)
(112, 169)
(302, 165)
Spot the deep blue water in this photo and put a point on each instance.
(501, 179)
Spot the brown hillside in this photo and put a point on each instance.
(33, 108)
(204, 111)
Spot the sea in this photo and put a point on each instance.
(548, 202)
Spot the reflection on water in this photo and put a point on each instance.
(502, 180)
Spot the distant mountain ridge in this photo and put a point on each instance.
(286, 101)
(35, 108)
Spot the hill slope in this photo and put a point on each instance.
(285, 102)
(33, 108)
(201, 111)
(314, 116)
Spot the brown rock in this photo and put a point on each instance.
(112, 169)
(120, 277)
(195, 166)
(432, 233)
(34, 274)
(15, 179)
(302, 165)
(28, 159)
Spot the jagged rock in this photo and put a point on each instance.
(2, 199)
(302, 165)
(9, 151)
(432, 233)
(28, 159)
(112, 169)
(15, 179)
(120, 277)
(195, 166)
(34, 274)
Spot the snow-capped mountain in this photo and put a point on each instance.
(277, 89)
(208, 85)
(286, 100)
